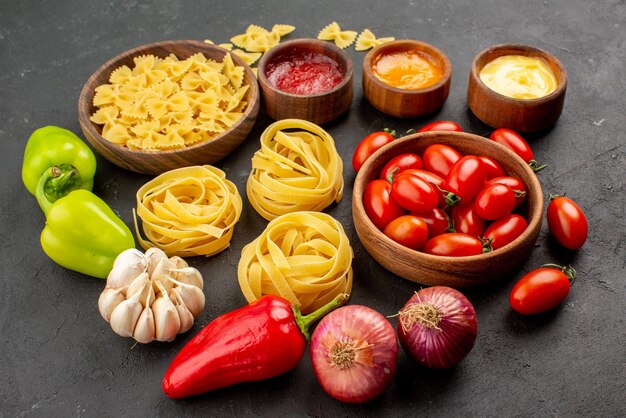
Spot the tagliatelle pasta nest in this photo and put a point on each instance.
(296, 169)
(304, 257)
(167, 103)
(188, 211)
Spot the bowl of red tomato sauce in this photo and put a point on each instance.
(449, 221)
(306, 79)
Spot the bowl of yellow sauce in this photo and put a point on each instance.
(406, 78)
(518, 87)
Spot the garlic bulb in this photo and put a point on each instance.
(150, 296)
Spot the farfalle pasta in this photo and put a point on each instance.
(333, 32)
(367, 40)
(188, 211)
(296, 169)
(304, 257)
(167, 103)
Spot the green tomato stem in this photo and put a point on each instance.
(567, 270)
(536, 166)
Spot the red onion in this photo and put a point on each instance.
(437, 327)
(354, 352)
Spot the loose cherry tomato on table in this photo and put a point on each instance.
(400, 163)
(441, 125)
(465, 220)
(505, 230)
(380, 207)
(439, 159)
(438, 222)
(542, 289)
(369, 145)
(408, 230)
(414, 194)
(455, 244)
(513, 183)
(567, 222)
(514, 141)
(494, 169)
(466, 178)
(495, 201)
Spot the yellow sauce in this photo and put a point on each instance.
(519, 77)
(408, 70)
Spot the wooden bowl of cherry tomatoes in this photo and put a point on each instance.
(447, 208)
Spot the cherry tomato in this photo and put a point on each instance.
(494, 169)
(454, 244)
(380, 207)
(465, 220)
(505, 230)
(369, 145)
(437, 221)
(517, 185)
(433, 179)
(439, 159)
(494, 202)
(466, 178)
(514, 141)
(441, 125)
(409, 231)
(541, 289)
(400, 163)
(414, 194)
(567, 222)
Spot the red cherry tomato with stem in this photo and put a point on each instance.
(408, 230)
(414, 194)
(369, 145)
(380, 207)
(567, 222)
(514, 141)
(466, 178)
(439, 159)
(494, 169)
(516, 184)
(465, 220)
(438, 222)
(495, 202)
(444, 197)
(542, 289)
(455, 244)
(505, 230)
(441, 125)
(400, 163)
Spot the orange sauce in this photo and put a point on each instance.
(408, 70)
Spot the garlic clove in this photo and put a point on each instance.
(124, 317)
(162, 274)
(166, 319)
(123, 274)
(179, 262)
(137, 285)
(130, 257)
(192, 297)
(108, 300)
(189, 275)
(153, 256)
(145, 329)
(186, 318)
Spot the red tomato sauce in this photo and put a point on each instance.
(304, 72)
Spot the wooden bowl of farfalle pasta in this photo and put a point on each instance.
(167, 105)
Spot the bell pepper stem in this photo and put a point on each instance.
(305, 321)
(54, 183)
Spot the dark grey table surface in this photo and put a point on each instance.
(59, 358)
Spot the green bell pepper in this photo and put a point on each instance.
(52, 146)
(82, 233)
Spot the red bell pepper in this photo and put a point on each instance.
(261, 340)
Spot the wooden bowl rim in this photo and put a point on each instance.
(345, 59)
(445, 76)
(137, 51)
(534, 219)
(536, 52)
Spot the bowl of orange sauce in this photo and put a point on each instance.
(406, 78)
